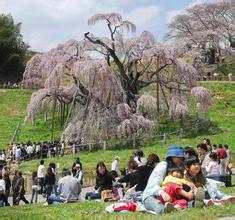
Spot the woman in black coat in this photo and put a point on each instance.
(104, 180)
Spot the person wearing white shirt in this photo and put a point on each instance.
(3, 155)
(140, 159)
(41, 175)
(79, 174)
(18, 154)
(38, 150)
(2, 190)
(115, 164)
(2, 185)
(14, 149)
(29, 150)
(213, 166)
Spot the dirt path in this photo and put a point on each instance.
(41, 199)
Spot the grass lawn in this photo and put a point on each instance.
(96, 210)
(222, 114)
(13, 104)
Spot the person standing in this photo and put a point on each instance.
(49, 181)
(41, 175)
(14, 180)
(7, 180)
(3, 190)
(34, 187)
(62, 148)
(18, 154)
(19, 189)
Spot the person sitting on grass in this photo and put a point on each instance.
(153, 190)
(131, 178)
(212, 195)
(189, 151)
(213, 166)
(79, 174)
(69, 189)
(104, 181)
(203, 155)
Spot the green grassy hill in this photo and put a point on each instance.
(222, 114)
(13, 104)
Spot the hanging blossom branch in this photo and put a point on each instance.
(103, 93)
(203, 96)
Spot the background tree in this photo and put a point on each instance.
(12, 49)
(207, 28)
(100, 80)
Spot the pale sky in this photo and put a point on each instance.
(45, 23)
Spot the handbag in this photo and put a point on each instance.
(36, 187)
(107, 193)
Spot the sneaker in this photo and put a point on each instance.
(45, 204)
(199, 197)
(178, 207)
(168, 208)
(208, 202)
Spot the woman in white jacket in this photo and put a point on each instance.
(174, 158)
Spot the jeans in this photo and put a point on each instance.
(53, 198)
(91, 195)
(49, 190)
(153, 204)
(41, 183)
(34, 193)
(54, 189)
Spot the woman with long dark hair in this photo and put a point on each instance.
(104, 181)
(49, 181)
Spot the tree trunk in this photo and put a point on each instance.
(53, 118)
(211, 56)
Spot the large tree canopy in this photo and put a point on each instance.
(207, 28)
(12, 49)
(101, 79)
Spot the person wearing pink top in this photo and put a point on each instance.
(213, 166)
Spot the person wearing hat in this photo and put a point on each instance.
(115, 164)
(79, 173)
(77, 161)
(174, 158)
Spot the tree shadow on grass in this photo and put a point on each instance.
(205, 127)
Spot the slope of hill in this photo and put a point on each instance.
(13, 104)
(222, 114)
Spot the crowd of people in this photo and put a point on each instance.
(184, 179)
(28, 151)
